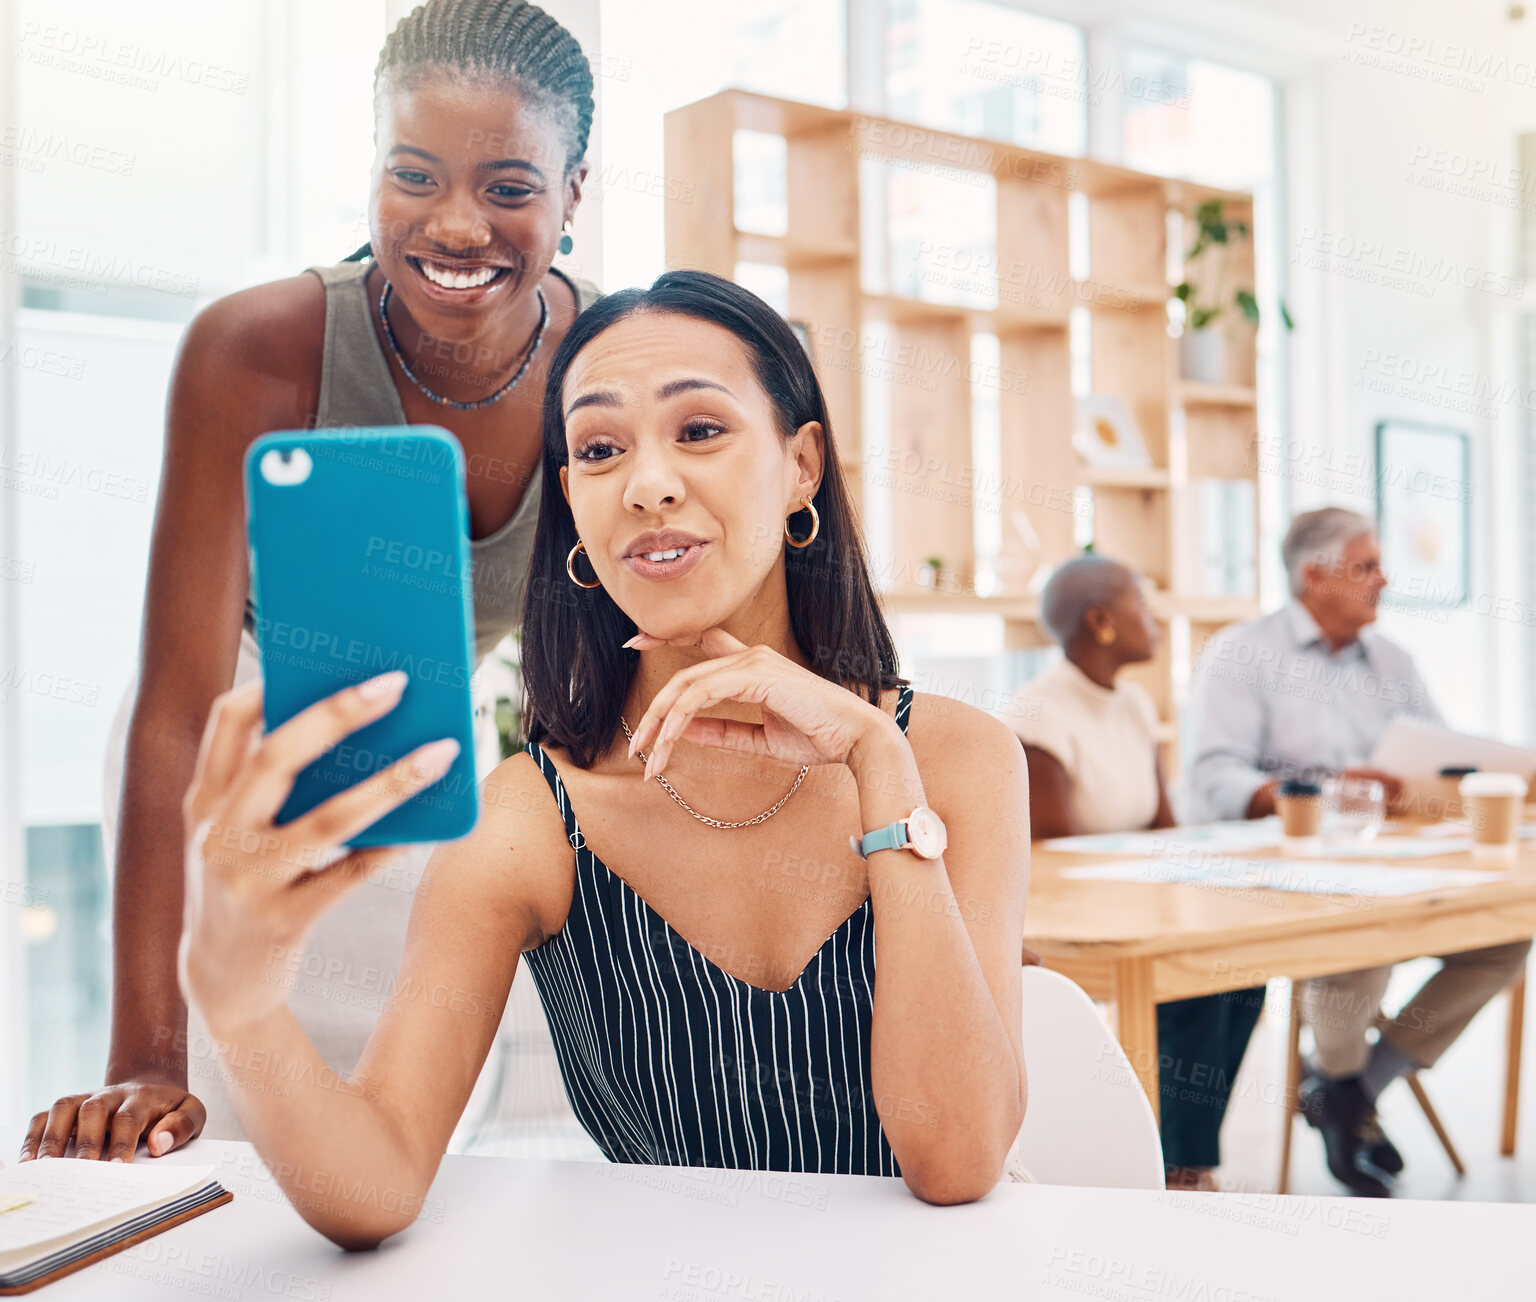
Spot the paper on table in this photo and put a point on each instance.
(1232, 837)
(1411, 748)
(1306, 876)
(1461, 830)
(1385, 847)
(70, 1196)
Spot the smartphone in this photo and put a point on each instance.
(359, 552)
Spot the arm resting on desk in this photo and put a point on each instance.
(946, 1057)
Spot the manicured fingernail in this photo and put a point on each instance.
(434, 760)
(159, 1142)
(385, 685)
(632, 640)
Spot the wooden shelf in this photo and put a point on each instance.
(907, 394)
(1204, 610)
(1165, 605)
(1144, 477)
(783, 251)
(748, 111)
(959, 603)
(901, 309)
(1108, 296)
(1192, 393)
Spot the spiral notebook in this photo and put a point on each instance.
(59, 1214)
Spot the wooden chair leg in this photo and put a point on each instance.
(1513, 1047)
(1434, 1120)
(1292, 1086)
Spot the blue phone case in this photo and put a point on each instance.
(359, 548)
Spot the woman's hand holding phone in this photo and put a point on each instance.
(255, 889)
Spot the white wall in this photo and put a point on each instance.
(1383, 128)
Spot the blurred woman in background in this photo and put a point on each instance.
(1094, 766)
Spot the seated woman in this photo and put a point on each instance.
(683, 852)
(1094, 766)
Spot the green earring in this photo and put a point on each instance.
(566, 242)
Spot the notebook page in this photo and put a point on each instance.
(70, 1197)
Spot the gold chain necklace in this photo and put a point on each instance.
(705, 818)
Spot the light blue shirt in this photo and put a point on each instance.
(1270, 699)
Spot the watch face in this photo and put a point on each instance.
(927, 831)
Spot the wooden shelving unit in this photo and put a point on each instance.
(897, 367)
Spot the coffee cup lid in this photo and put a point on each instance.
(1299, 787)
(1483, 783)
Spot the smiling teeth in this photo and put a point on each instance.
(665, 556)
(450, 279)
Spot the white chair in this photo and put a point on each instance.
(1088, 1121)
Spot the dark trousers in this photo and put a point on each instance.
(1200, 1044)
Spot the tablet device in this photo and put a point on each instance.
(359, 552)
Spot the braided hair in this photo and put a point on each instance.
(505, 41)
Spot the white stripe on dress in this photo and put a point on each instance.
(621, 1104)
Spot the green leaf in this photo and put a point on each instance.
(1249, 305)
(1201, 317)
(1182, 291)
(1285, 315)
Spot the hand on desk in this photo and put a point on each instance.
(1391, 783)
(1262, 802)
(254, 889)
(108, 1124)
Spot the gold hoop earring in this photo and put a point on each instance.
(570, 566)
(1105, 636)
(815, 527)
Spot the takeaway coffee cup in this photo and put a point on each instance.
(1300, 806)
(1493, 803)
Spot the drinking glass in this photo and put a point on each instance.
(1353, 807)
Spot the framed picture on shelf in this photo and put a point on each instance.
(1107, 434)
(1423, 489)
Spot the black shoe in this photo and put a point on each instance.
(1382, 1151)
(1339, 1111)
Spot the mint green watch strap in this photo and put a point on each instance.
(890, 837)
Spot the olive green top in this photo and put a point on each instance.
(357, 390)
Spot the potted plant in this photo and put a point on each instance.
(1202, 349)
(928, 574)
(505, 670)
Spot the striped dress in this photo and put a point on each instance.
(669, 1060)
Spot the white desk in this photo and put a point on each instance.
(503, 1228)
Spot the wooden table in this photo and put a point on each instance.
(1137, 945)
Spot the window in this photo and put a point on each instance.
(979, 68)
(791, 48)
(1219, 125)
(157, 164)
